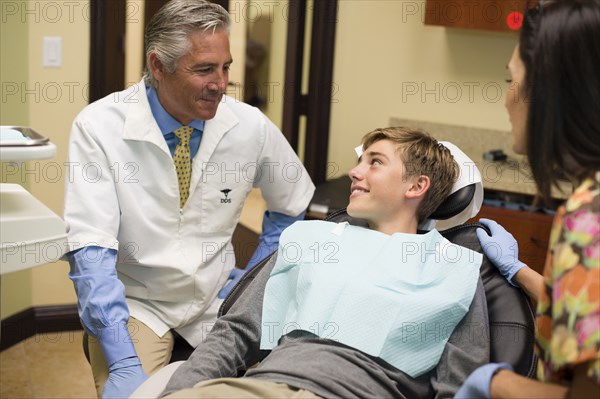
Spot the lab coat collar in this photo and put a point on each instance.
(140, 124)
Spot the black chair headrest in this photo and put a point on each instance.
(455, 203)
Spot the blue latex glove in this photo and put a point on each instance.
(501, 249)
(124, 377)
(477, 386)
(273, 225)
(101, 300)
(235, 276)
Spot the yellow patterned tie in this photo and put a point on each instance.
(182, 162)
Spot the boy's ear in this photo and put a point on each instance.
(419, 187)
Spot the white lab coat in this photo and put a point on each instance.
(122, 193)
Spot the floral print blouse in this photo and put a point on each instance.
(568, 312)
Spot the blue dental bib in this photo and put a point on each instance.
(395, 297)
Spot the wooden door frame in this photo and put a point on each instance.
(107, 47)
(320, 87)
(316, 105)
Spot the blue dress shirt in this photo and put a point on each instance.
(167, 125)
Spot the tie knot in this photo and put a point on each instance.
(183, 134)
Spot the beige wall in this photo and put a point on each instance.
(237, 44)
(267, 23)
(388, 64)
(384, 59)
(52, 116)
(134, 41)
(16, 287)
(13, 56)
(273, 16)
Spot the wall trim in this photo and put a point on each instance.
(36, 320)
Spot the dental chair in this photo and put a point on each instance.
(511, 317)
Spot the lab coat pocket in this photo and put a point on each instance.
(222, 204)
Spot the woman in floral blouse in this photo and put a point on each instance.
(554, 108)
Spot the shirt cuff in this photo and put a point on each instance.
(116, 344)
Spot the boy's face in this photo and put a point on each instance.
(379, 184)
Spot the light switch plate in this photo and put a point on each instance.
(52, 52)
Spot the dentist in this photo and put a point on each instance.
(158, 177)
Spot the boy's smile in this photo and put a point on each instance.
(379, 185)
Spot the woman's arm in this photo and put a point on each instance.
(530, 281)
(507, 384)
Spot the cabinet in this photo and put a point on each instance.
(245, 242)
(494, 15)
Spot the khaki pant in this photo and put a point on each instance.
(242, 388)
(153, 351)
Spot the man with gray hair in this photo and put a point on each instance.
(173, 160)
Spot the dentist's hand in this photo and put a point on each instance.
(235, 276)
(124, 377)
(477, 385)
(501, 248)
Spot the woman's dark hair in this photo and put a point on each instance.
(560, 48)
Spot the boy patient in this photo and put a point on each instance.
(355, 312)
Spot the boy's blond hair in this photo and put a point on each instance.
(421, 155)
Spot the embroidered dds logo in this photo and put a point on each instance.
(226, 193)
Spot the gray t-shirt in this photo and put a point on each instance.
(324, 367)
